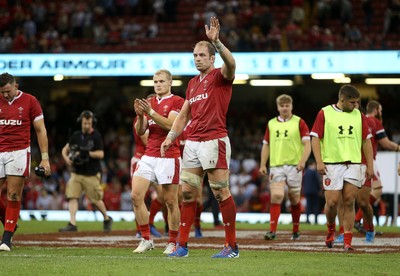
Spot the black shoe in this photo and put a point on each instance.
(69, 228)
(107, 225)
(5, 244)
(360, 228)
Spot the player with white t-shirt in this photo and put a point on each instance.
(18, 111)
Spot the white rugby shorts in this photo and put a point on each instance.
(337, 174)
(212, 154)
(16, 163)
(159, 170)
(286, 173)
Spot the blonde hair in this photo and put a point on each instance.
(284, 98)
(164, 71)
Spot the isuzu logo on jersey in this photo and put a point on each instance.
(198, 98)
(10, 122)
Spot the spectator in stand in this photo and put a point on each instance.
(346, 11)
(44, 200)
(314, 38)
(6, 42)
(126, 201)
(327, 40)
(112, 195)
(274, 39)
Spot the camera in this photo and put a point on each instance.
(78, 154)
(40, 171)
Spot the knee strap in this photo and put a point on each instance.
(219, 184)
(191, 179)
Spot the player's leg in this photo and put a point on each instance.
(294, 180)
(170, 193)
(349, 194)
(219, 183)
(14, 192)
(277, 190)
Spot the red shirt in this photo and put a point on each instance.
(162, 106)
(209, 100)
(16, 118)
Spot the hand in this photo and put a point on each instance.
(300, 166)
(144, 105)
(164, 146)
(45, 164)
(263, 170)
(321, 168)
(370, 173)
(137, 108)
(213, 32)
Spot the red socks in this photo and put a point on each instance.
(155, 206)
(188, 212)
(228, 211)
(359, 215)
(296, 212)
(145, 230)
(12, 215)
(275, 212)
(173, 235)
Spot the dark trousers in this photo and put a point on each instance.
(312, 206)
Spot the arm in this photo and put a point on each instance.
(229, 67)
(96, 154)
(163, 122)
(141, 123)
(144, 138)
(65, 154)
(177, 127)
(368, 152)
(41, 134)
(264, 159)
(316, 149)
(306, 154)
(389, 145)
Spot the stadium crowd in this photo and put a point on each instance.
(37, 26)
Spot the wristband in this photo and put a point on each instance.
(151, 112)
(172, 135)
(45, 156)
(219, 46)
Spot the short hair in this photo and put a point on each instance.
(6, 78)
(284, 98)
(372, 105)
(210, 47)
(349, 92)
(164, 71)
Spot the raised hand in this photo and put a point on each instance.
(212, 32)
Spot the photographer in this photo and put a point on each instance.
(83, 153)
